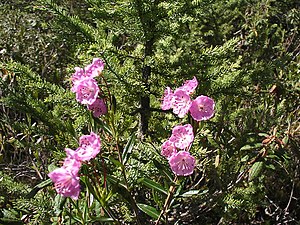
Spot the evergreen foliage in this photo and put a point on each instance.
(245, 55)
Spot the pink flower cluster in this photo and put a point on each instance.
(66, 178)
(86, 87)
(181, 161)
(201, 108)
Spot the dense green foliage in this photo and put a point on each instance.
(245, 55)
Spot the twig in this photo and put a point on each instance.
(132, 201)
(168, 200)
(291, 196)
(292, 192)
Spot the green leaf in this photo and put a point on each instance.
(10, 216)
(113, 104)
(70, 128)
(190, 193)
(38, 187)
(252, 146)
(245, 158)
(103, 126)
(255, 170)
(119, 187)
(128, 148)
(153, 185)
(116, 162)
(91, 188)
(52, 167)
(149, 210)
(271, 167)
(263, 134)
(59, 204)
(193, 192)
(163, 169)
(102, 219)
(285, 140)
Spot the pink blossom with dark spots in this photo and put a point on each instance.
(181, 103)
(182, 136)
(95, 68)
(89, 147)
(98, 108)
(76, 77)
(202, 108)
(182, 163)
(71, 161)
(86, 91)
(66, 181)
(189, 86)
(168, 149)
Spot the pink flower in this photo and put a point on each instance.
(95, 68)
(90, 71)
(167, 99)
(182, 163)
(66, 182)
(76, 77)
(202, 108)
(189, 86)
(86, 91)
(181, 103)
(90, 146)
(168, 149)
(71, 161)
(71, 154)
(182, 136)
(98, 107)
(86, 153)
(92, 139)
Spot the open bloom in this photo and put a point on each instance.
(182, 163)
(76, 77)
(168, 149)
(86, 153)
(182, 136)
(86, 91)
(90, 140)
(181, 103)
(90, 71)
(202, 108)
(98, 107)
(66, 182)
(90, 146)
(179, 100)
(71, 162)
(189, 86)
(95, 68)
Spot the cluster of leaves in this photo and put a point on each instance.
(245, 55)
(16, 206)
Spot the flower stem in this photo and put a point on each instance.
(108, 91)
(132, 201)
(168, 201)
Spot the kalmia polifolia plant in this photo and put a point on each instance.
(86, 87)
(201, 108)
(70, 179)
(66, 178)
(176, 148)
